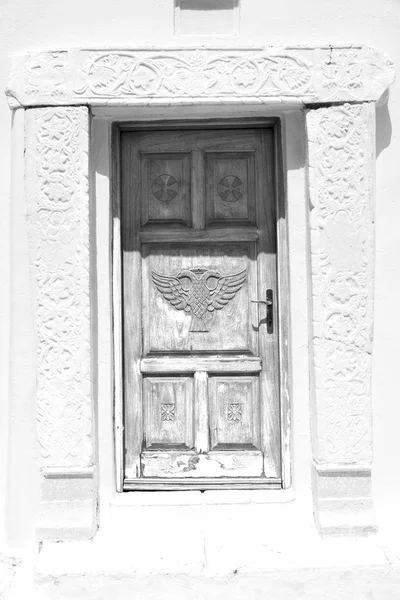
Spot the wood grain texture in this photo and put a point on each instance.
(165, 188)
(201, 412)
(131, 267)
(283, 295)
(267, 278)
(230, 187)
(117, 310)
(169, 327)
(210, 364)
(198, 184)
(206, 236)
(234, 412)
(192, 464)
(168, 412)
(203, 483)
(189, 279)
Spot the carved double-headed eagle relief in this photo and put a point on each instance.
(199, 291)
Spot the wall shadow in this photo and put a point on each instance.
(383, 124)
(203, 5)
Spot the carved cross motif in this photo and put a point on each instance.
(198, 291)
(235, 412)
(230, 188)
(165, 187)
(167, 412)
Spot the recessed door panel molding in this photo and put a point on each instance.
(168, 412)
(235, 413)
(230, 187)
(197, 298)
(165, 188)
(201, 367)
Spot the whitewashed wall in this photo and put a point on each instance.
(44, 25)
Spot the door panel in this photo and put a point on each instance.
(197, 298)
(234, 412)
(200, 367)
(230, 187)
(168, 412)
(165, 188)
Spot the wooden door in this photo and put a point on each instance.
(201, 377)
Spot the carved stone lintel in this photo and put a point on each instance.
(341, 142)
(131, 76)
(57, 192)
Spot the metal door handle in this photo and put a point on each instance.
(270, 309)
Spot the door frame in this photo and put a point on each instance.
(322, 114)
(282, 295)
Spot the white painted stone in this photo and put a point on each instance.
(199, 17)
(341, 155)
(8, 565)
(57, 192)
(340, 164)
(340, 151)
(127, 76)
(238, 560)
(345, 584)
(33, 28)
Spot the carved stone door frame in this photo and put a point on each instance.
(338, 88)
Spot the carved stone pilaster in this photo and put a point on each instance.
(341, 148)
(57, 192)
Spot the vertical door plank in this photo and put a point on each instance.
(131, 267)
(268, 342)
(118, 310)
(201, 411)
(283, 312)
(198, 190)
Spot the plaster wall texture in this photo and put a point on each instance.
(199, 538)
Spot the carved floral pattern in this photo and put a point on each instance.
(57, 191)
(45, 76)
(311, 74)
(341, 154)
(193, 73)
(343, 74)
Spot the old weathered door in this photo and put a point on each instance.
(201, 393)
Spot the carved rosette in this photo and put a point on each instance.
(341, 163)
(58, 204)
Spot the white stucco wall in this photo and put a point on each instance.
(32, 26)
